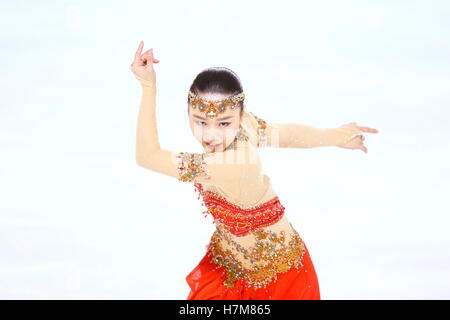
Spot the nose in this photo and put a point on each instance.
(208, 139)
(211, 137)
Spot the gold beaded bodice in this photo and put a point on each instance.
(260, 258)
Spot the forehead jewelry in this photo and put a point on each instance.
(213, 107)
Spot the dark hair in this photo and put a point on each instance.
(217, 80)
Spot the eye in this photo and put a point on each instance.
(200, 123)
(225, 124)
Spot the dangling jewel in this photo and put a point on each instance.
(242, 134)
(213, 108)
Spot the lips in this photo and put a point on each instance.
(212, 145)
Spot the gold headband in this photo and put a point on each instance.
(213, 108)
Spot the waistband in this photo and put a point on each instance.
(239, 221)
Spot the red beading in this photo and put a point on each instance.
(239, 221)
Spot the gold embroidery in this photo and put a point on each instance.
(241, 135)
(262, 126)
(267, 258)
(191, 166)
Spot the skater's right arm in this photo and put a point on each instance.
(218, 168)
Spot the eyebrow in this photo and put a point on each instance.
(224, 118)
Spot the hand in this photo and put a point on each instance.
(142, 66)
(357, 142)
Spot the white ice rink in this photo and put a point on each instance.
(80, 220)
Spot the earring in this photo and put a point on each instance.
(241, 134)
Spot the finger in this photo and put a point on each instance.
(361, 145)
(140, 47)
(148, 56)
(150, 59)
(358, 138)
(367, 129)
(137, 54)
(146, 52)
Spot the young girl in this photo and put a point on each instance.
(255, 252)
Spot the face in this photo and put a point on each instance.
(215, 134)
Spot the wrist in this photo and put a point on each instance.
(147, 83)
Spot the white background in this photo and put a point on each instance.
(80, 220)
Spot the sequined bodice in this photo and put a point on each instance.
(241, 221)
(255, 243)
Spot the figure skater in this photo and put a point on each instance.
(254, 252)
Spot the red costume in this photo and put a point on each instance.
(216, 279)
(255, 252)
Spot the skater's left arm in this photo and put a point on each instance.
(299, 135)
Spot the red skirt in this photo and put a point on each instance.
(298, 283)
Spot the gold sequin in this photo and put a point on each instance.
(191, 166)
(269, 256)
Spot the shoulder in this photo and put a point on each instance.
(219, 167)
(256, 126)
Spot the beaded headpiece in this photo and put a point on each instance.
(213, 108)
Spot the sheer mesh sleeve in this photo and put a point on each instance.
(296, 135)
(218, 168)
